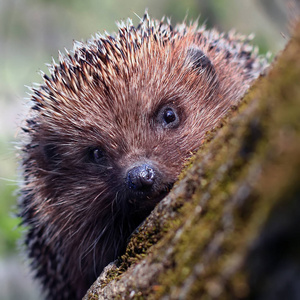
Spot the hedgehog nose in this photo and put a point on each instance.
(140, 177)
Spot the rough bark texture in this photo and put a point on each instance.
(230, 227)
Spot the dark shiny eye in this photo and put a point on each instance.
(168, 117)
(96, 155)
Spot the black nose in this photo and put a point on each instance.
(140, 177)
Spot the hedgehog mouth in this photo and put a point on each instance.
(165, 192)
(149, 195)
(140, 204)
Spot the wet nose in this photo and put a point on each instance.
(140, 177)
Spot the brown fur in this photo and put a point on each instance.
(110, 95)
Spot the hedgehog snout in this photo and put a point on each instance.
(141, 177)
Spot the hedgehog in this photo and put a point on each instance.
(108, 132)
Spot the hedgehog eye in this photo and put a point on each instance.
(168, 117)
(96, 154)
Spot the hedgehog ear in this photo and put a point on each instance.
(200, 62)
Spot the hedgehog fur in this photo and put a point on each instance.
(108, 133)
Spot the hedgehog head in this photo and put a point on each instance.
(111, 128)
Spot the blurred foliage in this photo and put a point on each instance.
(9, 232)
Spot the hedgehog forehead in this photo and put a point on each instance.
(113, 88)
(130, 49)
(152, 67)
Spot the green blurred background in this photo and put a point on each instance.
(32, 31)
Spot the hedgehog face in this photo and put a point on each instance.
(120, 137)
(108, 134)
(107, 145)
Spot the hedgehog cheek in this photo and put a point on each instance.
(50, 155)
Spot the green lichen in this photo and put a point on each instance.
(92, 296)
